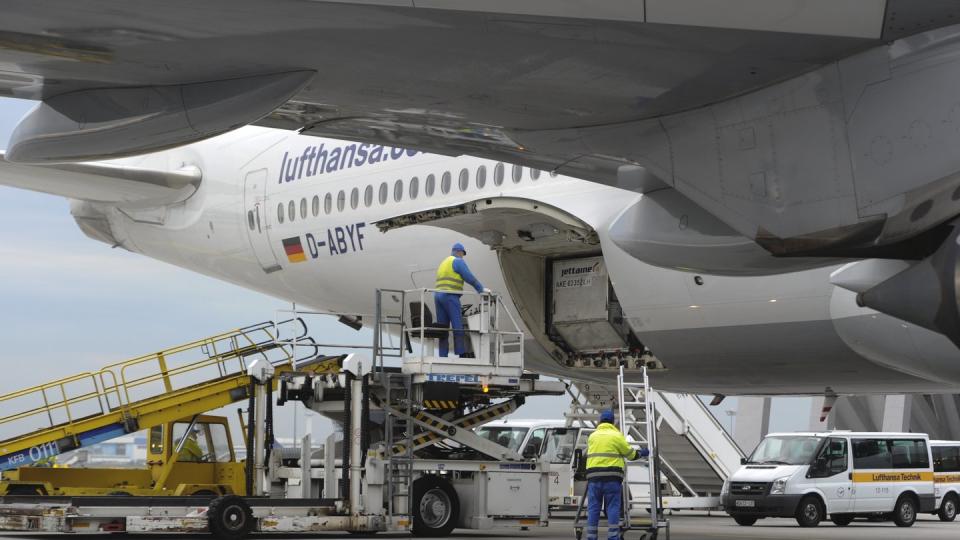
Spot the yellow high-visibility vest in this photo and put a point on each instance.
(606, 450)
(191, 451)
(447, 278)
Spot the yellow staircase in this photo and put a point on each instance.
(46, 420)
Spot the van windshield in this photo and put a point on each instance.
(511, 437)
(786, 450)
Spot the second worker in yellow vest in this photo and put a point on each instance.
(607, 450)
(451, 275)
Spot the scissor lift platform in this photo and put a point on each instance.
(371, 484)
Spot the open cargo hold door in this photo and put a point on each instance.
(553, 269)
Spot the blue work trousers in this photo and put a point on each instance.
(604, 493)
(449, 313)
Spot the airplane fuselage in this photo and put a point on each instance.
(293, 217)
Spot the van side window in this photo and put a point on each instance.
(871, 454)
(832, 459)
(532, 448)
(946, 458)
(909, 454)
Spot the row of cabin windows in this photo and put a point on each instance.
(289, 211)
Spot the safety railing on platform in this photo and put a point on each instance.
(493, 334)
(118, 386)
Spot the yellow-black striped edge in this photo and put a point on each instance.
(440, 404)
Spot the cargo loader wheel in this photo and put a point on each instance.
(745, 521)
(436, 508)
(905, 512)
(230, 518)
(948, 510)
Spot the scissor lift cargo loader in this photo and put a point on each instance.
(408, 459)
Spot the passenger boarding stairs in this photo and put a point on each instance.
(697, 454)
(68, 413)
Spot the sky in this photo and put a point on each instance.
(71, 304)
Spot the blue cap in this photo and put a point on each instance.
(606, 416)
(458, 247)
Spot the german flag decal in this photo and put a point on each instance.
(294, 249)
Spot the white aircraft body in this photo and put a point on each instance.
(300, 218)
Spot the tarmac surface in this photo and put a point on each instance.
(683, 526)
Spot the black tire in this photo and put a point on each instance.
(905, 511)
(841, 520)
(809, 512)
(230, 518)
(436, 507)
(745, 521)
(948, 508)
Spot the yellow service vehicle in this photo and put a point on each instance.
(166, 394)
(184, 458)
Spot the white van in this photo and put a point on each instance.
(946, 478)
(843, 474)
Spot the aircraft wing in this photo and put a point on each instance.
(727, 102)
(125, 77)
(103, 182)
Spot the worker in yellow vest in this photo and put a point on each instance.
(607, 449)
(451, 275)
(191, 451)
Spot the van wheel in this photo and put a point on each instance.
(948, 510)
(809, 511)
(744, 520)
(436, 508)
(905, 512)
(230, 518)
(841, 520)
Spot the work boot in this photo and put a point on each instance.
(467, 355)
